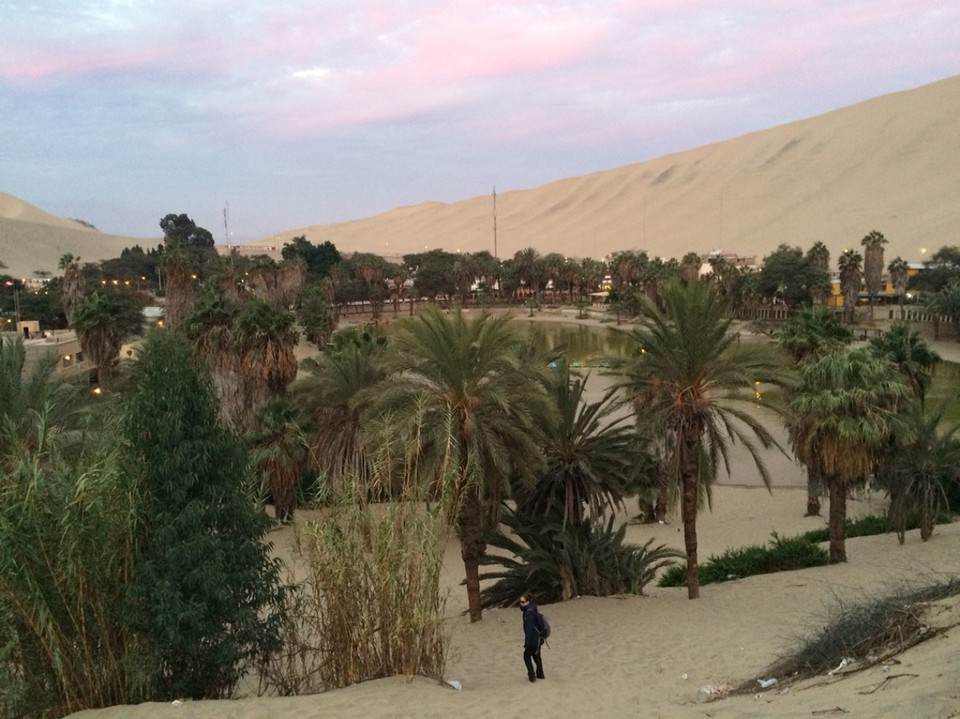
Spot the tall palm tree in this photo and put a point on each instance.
(102, 322)
(844, 415)
(474, 372)
(819, 257)
(917, 474)
(330, 403)
(696, 377)
(850, 264)
(899, 271)
(72, 290)
(873, 243)
(690, 265)
(528, 265)
(278, 453)
(809, 331)
(910, 354)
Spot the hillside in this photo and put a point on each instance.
(32, 240)
(890, 164)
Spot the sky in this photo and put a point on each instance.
(290, 113)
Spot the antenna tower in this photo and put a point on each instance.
(226, 221)
(495, 221)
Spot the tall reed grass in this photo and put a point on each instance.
(66, 550)
(370, 604)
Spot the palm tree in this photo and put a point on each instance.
(917, 474)
(819, 257)
(945, 304)
(31, 403)
(592, 456)
(809, 331)
(102, 322)
(690, 265)
(851, 276)
(479, 401)
(899, 271)
(844, 415)
(330, 403)
(278, 454)
(873, 243)
(72, 290)
(249, 349)
(910, 354)
(529, 267)
(694, 375)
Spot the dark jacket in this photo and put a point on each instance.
(531, 629)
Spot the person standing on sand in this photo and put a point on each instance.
(532, 638)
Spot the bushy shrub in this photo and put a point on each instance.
(866, 526)
(869, 631)
(205, 598)
(782, 555)
(556, 561)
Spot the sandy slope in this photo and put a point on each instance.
(31, 239)
(659, 655)
(890, 164)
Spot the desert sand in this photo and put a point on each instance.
(890, 164)
(662, 655)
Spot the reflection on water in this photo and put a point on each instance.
(580, 344)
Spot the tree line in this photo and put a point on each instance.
(455, 419)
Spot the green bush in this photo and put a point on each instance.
(782, 555)
(866, 526)
(205, 598)
(556, 561)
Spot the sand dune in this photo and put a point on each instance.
(890, 164)
(33, 240)
(662, 655)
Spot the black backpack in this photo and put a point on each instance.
(543, 626)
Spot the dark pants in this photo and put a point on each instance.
(531, 658)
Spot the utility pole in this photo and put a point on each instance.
(495, 221)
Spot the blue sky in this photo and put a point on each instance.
(303, 112)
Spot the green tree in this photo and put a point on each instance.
(917, 475)
(873, 243)
(33, 404)
(910, 354)
(942, 269)
(899, 271)
(529, 267)
(809, 331)
(204, 596)
(73, 285)
(693, 376)
(592, 456)
(278, 453)
(103, 322)
(850, 264)
(316, 312)
(945, 304)
(789, 275)
(319, 259)
(819, 258)
(481, 402)
(844, 415)
(331, 406)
